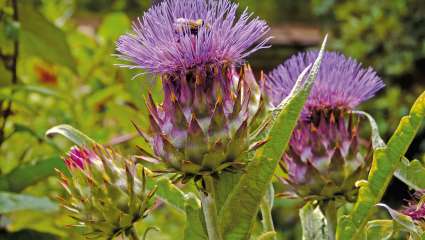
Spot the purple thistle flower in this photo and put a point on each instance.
(415, 207)
(326, 155)
(178, 35)
(341, 83)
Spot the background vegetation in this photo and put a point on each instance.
(57, 66)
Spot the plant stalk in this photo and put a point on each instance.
(330, 212)
(210, 209)
(266, 206)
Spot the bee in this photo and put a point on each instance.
(182, 24)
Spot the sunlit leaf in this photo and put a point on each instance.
(386, 160)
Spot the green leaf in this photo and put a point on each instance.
(241, 207)
(41, 38)
(195, 228)
(379, 230)
(386, 161)
(26, 175)
(71, 134)
(11, 202)
(412, 173)
(313, 223)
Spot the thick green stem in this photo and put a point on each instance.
(266, 206)
(330, 211)
(210, 210)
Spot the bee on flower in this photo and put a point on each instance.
(212, 101)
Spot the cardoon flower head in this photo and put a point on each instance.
(204, 128)
(326, 155)
(106, 193)
(179, 35)
(209, 109)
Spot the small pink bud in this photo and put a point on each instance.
(79, 157)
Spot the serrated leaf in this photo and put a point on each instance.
(386, 160)
(240, 209)
(26, 175)
(412, 173)
(71, 133)
(313, 223)
(11, 202)
(41, 38)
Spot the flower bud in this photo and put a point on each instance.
(106, 192)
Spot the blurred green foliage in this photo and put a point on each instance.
(66, 74)
(385, 34)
